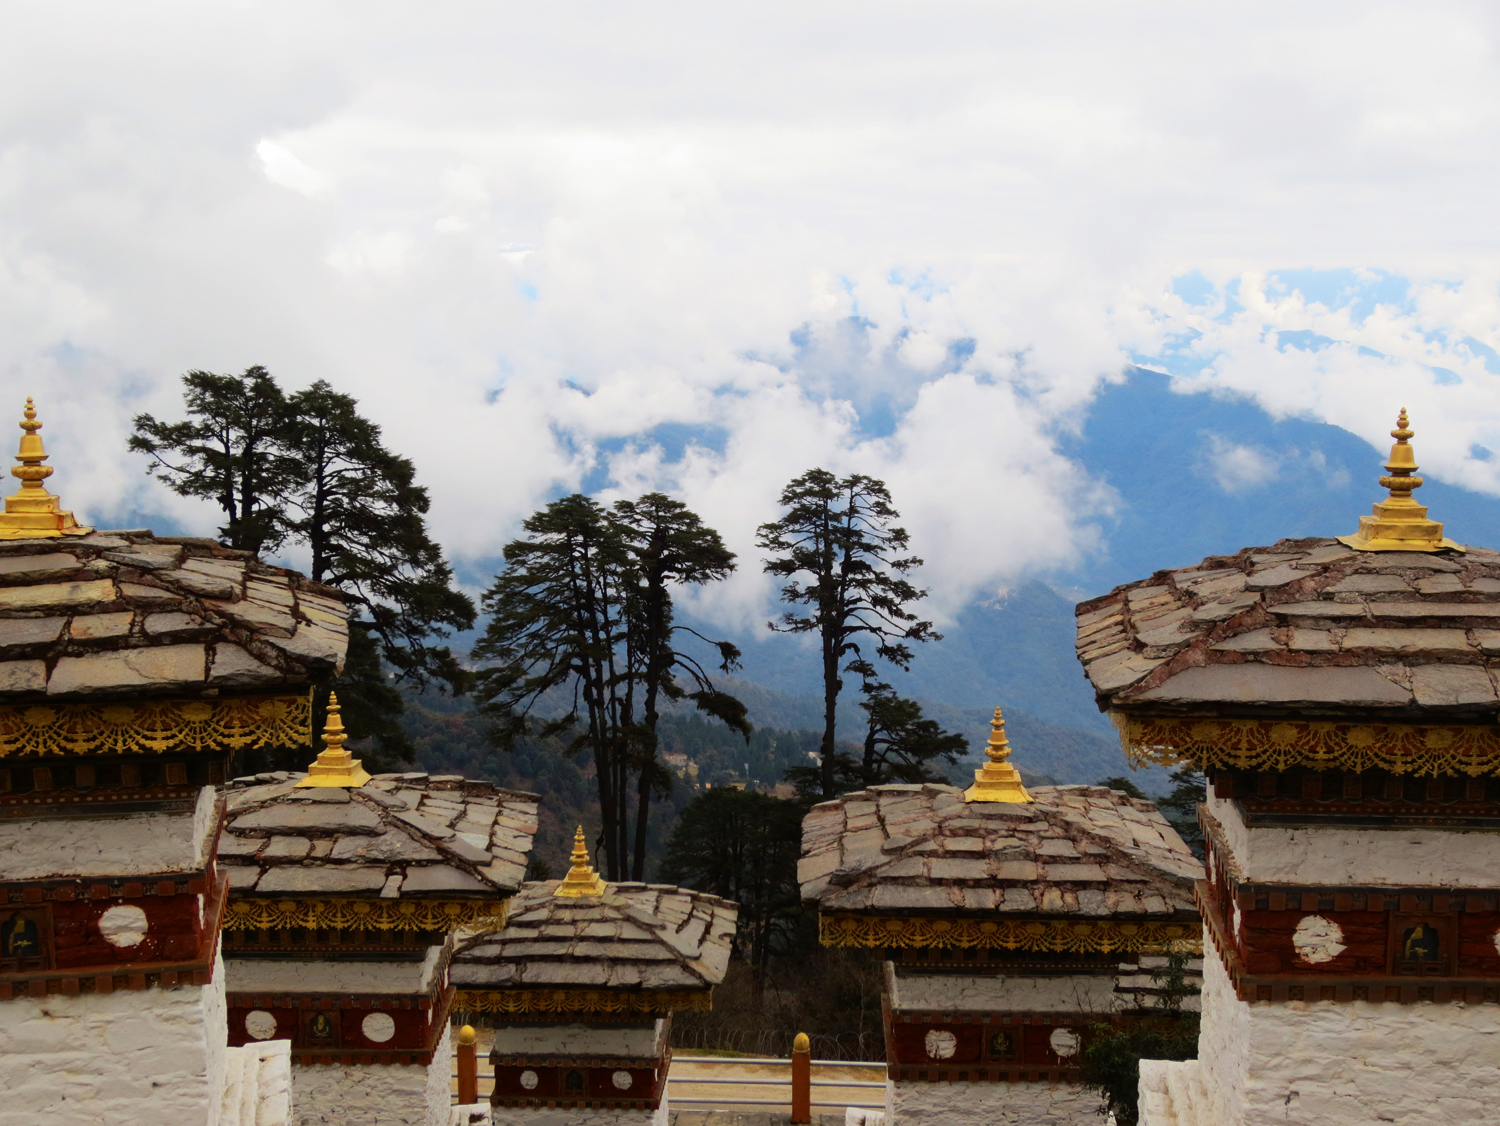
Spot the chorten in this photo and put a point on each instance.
(580, 985)
(1340, 695)
(346, 892)
(131, 668)
(1009, 921)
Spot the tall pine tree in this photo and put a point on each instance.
(308, 470)
(845, 560)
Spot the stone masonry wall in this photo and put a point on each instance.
(990, 1104)
(1327, 1063)
(378, 1094)
(153, 1056)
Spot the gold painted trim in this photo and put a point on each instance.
(518, 1001)
(154, 726)
(1276, 745)
(365, 914)
(1058, 935)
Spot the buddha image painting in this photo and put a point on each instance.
(19, 937)
(1420, 943)
(320, 1027)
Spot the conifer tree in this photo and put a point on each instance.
(839, 547)
(310, 471)
(229, 450)
(582, 634)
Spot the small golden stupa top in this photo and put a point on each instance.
(34, 513)
(998, 779)
(1399, 523)
(335, 766)
(581, 879)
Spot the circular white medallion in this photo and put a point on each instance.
(260, 1025)
(1497, 942)
(123, 926)
(941, 1045)
(528, 1080)
(1064, 1042)
(622, 1080)
(378, 1027)
(1317, 939)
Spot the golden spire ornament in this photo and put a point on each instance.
(581, 879)
(33, 512)
(998, 779)
(335, 766)
(1399, 523)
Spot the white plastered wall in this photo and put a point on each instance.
(148, 1056)
(1331, 1063)
(375, 1094)
(1061, 993)
(991, 1104)
(1344, 857)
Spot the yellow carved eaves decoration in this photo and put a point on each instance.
(154, 726)
(1276, 745)
(364, 914)
(1037, 935)
(522, 1001)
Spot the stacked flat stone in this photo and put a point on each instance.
(1306, 624)
(581, 989)
(400, 836)
(1077, 850)
(633, 937)
(124, 612)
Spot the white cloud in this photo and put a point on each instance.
(908, 241)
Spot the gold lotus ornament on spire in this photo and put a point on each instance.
(581, 879)
(1399, 523)
(33, 512)
(335, 766)
(998, 779)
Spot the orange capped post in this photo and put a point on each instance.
(801, 1079)
(468, 1068)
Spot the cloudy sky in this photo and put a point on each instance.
(705, 247)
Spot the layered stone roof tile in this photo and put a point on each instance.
(1307, 625)
(126, 613)
(398, 836)
(1074, 851)
(634, 936)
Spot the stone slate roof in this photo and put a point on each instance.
(398, 836)
(125, 613)
(1075, 851)
(634, 936)
(1305, 626)
(337, 979)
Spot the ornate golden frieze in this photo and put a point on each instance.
(1058, 935)
(518, 1001)
(365, 914)
(154, 726)
(1276, 745)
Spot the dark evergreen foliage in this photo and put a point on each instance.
(838, 535)
(582, 646)
(1112, 1053)
(310, 470)
(1180, 806)
(743, 846)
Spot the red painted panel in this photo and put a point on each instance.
(1265, 942)
(173, 932)
(1477, 956)
(411, 1032)
(911, 1043)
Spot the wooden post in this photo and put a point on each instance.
(801, 1079)
(468, 1069)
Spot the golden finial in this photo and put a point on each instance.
(998, 779)
(1399, 523)
(33, 512)
(335, 766)
(581, 879)
(467, 1036)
